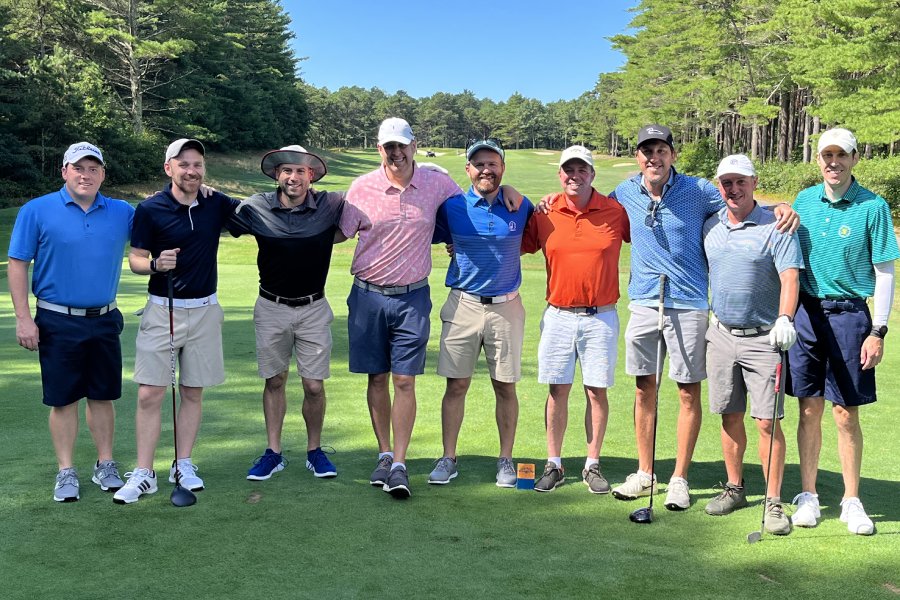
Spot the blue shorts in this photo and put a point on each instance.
(825, 359)
(388, 333)
(81, 357)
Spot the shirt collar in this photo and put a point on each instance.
(753, 218)
(849, 195)
(99, 199)
(308, 204)
(415, 182)
(666, 186)
(474, 198)
(174, 203)
(562, 201)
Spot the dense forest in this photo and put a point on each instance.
(750, 76)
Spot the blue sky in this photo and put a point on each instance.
(540, 49)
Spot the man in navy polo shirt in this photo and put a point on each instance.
(484, 309)
(294, 227)
(176, 230)
(849, 246)
(76, 238)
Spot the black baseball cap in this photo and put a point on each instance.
(655, 132)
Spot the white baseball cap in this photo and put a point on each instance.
(736, 164)
(576, 152)
(177, 146)
(80, 150)
(394, 129)
(838, 137)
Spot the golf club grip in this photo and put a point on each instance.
(778, 376)
(170, 282)
(662, 291)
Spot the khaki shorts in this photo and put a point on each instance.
(467, 326)
(739, 365)
(305, 330)
(198, 346)
(684, 338)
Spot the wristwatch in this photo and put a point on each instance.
(879, 332)
(153, 266)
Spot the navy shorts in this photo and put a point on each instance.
(388, 333)
(81, 357)
(825, 359)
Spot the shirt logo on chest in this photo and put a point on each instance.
(512, 225)
(844, 231)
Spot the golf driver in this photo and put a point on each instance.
(780, 375)
(645, 515)
(180, 496)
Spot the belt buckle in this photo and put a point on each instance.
(590, 310)
(94, 311)
(486, 299)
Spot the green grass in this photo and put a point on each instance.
(295, 536)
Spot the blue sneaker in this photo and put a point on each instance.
(266, 465)
(318, 463)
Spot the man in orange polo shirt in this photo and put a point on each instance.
(581, 236)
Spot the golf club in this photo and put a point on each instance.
(180, 496)
(645, 515)
(780, 375)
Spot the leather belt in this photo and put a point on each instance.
(586, 310)
(95, 311)
(292, 302)
(389, 290)
(739, 331)
(185, 302)
(488, 299)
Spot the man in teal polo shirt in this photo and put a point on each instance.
(849, 248)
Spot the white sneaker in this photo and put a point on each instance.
(188, 472)
(854, 515)
(807, 513)
(678, 494)
(140, 482)
(636, 485)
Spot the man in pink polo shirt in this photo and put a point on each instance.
(393, 210)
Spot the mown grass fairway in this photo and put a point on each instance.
(297, 537)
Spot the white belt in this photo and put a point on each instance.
(488, 299)
(95, 311)
(739, 331)
(184, 302)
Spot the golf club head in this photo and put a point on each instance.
(642, 515)
(182, 496)
(754, 537)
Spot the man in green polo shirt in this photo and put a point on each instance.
(849, 248)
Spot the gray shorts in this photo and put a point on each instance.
(684, 337)
(738, 366)
(303, 330)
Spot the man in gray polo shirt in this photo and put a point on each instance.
(294, 226)
(754, 284)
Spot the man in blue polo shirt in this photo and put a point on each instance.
(176, 230)
(849, 247)
(754, 281)
(483, 309)
(76, 238)
(667, 211)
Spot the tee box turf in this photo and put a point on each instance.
(525, 474)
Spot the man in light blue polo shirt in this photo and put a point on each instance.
(76, 238)
(849, 247)
(754, 282)
(667, 211)
(483, 309)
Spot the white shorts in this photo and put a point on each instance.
(590, 339)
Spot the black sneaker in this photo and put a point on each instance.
(731, 499)
(379, 476)
(397, 484)
(552, 478)
(595, 480)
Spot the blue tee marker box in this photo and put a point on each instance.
(525, 476)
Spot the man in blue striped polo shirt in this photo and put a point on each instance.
(754, 282)
(483, 309)
(849, 247)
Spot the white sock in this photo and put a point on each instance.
(383, 454)
(398, 465)
(590, 462)
(643, 473)
(556, 460)
(682, 479)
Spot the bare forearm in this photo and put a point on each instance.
(790, 290)
(17, 272)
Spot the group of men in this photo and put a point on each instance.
(709, 241)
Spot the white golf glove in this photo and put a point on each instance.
(783, 335)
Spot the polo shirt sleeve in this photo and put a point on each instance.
(25, 234)
(337, 201)
(626, 225)
(353, 219)
(241, 221)
(712, 196)
(449, 188)
(227, 206)
(441, 226)
(786, 251)
(142, 228)
(882, 237)
(531, 241)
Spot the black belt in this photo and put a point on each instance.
(292, 302)
(842, 304)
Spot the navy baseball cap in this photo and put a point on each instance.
(655, 132)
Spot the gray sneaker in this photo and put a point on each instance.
(67, 486)
(379, 476)
(776, 521)
(595, 480)
(678, 494)
(506, 473)
(731, 499)
(397, 484)
(444, 470)
(106, 475)
(635, 486)
(552, 478)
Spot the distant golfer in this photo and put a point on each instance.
(754, 282)
(294, 227)
(393, 210)
(76, 238)
(667, 211)
(483, 309)
(581, 236)
(849, 247)
(176, 230)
